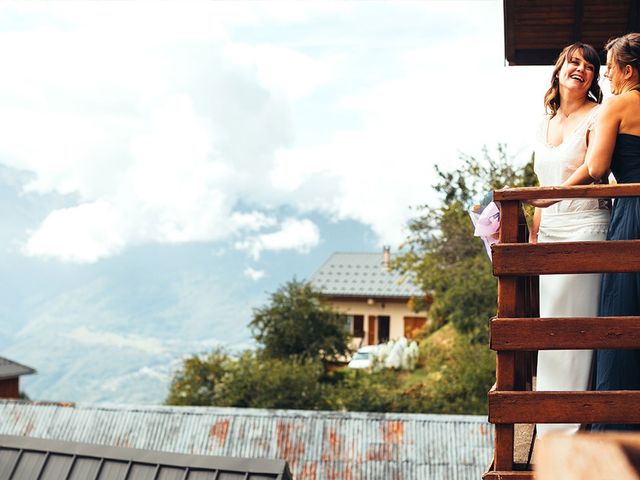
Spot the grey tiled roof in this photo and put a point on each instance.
(318, 445)
(11, 369)
(361, 274)
(24, 458)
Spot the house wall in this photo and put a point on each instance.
(397, 310)
(9, 388)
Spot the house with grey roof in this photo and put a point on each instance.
(316, 445)
(376, 299)
(10, 373)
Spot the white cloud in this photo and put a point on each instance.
(89, 337)
(200, 129)
(252, 221)
(284, 70)
(157, 136)
(83, 233)
(253, 274)
(298, 235)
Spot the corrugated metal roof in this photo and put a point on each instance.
(25, 458)
(361, 274)
(317, 445)
(11, 369)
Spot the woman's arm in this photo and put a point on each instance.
(579, 177)
(601, 146)
(535, 226)
(601, 143)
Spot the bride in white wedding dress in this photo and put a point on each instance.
(572, 103)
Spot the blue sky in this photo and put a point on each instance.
(164, 164)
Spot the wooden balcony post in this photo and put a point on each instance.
(505, 360)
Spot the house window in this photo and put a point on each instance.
(413, 325)
(357, 321)
(383, 328)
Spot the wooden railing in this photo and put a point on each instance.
(517, 332)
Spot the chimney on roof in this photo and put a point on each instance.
(386, 256)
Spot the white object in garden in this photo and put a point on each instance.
(397, 354)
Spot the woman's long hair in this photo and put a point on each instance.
(552, 97)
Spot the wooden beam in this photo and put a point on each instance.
(578, 15)
(633, 18)
(580, 191)
(509, 221)
(505, 361)
(495, 475)
(564, 407)
(509, 31)
(521, 471)
(529, 334)
(566, 257)
(536, 56)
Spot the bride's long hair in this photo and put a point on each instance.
(552, 97)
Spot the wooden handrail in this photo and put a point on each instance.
(616, 256)
(528, 334)
(564, 407)
(580, 191)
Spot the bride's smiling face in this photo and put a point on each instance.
(576, 73)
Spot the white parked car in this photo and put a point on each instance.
(363, 358)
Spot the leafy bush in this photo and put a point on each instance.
(365, 392)
(195, 382)
(261, 382)
(248, 381)
(456, 378)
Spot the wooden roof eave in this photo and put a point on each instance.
(536, 32)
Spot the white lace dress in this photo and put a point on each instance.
(572, 220)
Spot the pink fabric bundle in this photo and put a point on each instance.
(487, 224)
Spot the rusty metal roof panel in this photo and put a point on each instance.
(317, 445)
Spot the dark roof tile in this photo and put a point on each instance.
(362, 274)
(11, 369)
(26, 458)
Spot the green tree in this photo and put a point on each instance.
(258, 382)
(195, 382)
(441, 251)
(250, 380)
(297, 323)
